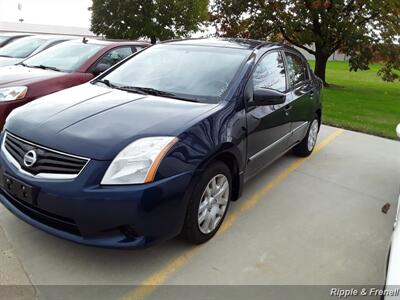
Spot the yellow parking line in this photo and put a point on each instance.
(150, 284)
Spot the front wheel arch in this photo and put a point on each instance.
(319, 114)
(230, 156)
(191, 230)
(231, 162)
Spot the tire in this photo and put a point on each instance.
(307, 145)
(195, 229)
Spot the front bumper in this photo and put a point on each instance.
(82, 211)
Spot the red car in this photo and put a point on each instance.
(63, 66)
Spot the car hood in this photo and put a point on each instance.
(97, 122)
(9, 61)
(20, 75)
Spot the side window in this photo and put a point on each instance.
(114, 56)
(297, 69)
(136, 49)
(270, 73)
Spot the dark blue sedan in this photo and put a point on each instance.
(160, 144)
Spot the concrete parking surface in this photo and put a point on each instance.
(316, 221)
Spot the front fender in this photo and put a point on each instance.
(224, 131)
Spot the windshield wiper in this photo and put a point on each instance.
(154, 92)
(117, 87)
(142, 90)
(106, 82)
(132, 89)
(45, 68)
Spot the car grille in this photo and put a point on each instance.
(48, 161)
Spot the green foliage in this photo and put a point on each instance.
(360, 101)
(353, 26)
(153, 19)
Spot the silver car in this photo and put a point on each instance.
(17, 51)
(393, 268)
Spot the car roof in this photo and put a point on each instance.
(112, 42)
(47, 37)
(236, 43)
(222, 42)
(75, 38)
(13, 34)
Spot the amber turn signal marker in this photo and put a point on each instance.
(22, 94)
(154, 167)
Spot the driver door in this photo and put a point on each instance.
(268, 127)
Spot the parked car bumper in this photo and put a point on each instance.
(393, 275)
(83, 211)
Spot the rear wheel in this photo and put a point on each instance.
(209, 204)
(307, 145)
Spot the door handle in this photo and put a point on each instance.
(287, 109)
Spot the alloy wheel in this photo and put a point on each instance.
(213, 204)
(313, 135)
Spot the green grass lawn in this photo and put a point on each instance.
(361, 101)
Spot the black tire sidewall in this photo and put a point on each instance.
(191, 228)
(302, 148)
(308, 134)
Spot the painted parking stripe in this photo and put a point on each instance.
(149, 285)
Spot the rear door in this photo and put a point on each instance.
(301, 96)
(268, 127)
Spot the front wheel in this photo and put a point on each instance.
(209, 204)
(307, 145)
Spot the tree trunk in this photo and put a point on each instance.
(153, 40)
(320, 67)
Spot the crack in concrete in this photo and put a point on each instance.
(344, 186)
(24, 270)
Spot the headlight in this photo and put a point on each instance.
(13, 93)
(138, 162)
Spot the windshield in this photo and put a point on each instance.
(67, 57)
(2, 38)
(22, 48)
(198, 73)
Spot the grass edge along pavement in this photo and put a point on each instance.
(361, 101)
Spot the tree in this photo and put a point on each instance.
(153, 19)
(320, 27)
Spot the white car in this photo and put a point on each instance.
(393, 269)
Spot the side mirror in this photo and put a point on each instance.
(100, 68)
(263, 97)
(398, 130)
